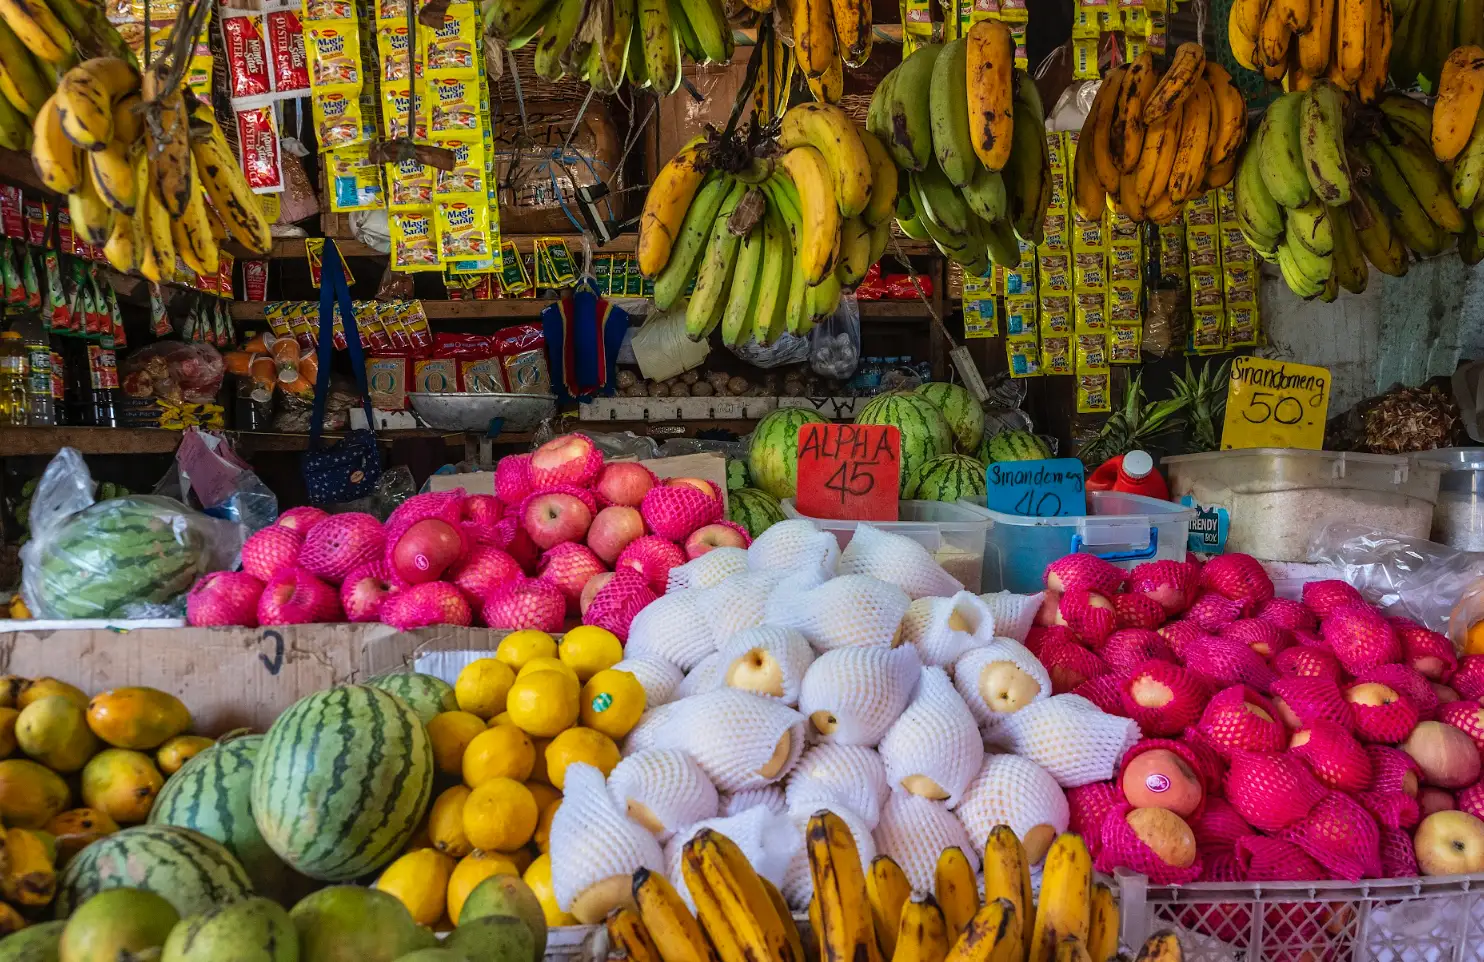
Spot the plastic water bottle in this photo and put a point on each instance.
(13, 407)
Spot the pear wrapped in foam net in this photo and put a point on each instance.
(796, 543)
(853, 695)
(1014, 791)
(914, 831)
(595, 847)
(983, 673)
(934, 748)
(663, 790)
(737, 603)
(770, 797)
(896, 559)
(1068, 736)
(739, 739)
(658, 678)
(829, 776)
(674, 628)
(709, 570)
(945, 628)
(849, 611)
(767, 660)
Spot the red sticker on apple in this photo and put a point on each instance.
(849, 472)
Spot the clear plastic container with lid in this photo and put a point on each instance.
(1458, 520)
(1268, 502)
(952, 533)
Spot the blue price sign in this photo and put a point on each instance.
(1036, 489)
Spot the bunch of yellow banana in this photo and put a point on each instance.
(1426, 31)
(1151, 142)
(604, 42)
(771, 247)
(829, 35)
(969, 130)
(1348, 42)
(1456, 132)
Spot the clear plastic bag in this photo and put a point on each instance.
(131, 557)
(835, 343)
(788, 349)
(1412, 577)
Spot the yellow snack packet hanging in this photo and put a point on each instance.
(414, 241)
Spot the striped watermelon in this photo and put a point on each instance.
(341, 781)
(773, 455)
(947, 477)
(958, 407)
(426, 695)
(755, 510)
(190, 871)
(212, 794)
(925, 434)
(1014, 446)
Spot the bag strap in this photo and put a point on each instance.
(334, 291)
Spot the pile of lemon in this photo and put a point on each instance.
(524, 716)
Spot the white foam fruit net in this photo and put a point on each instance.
(829, 776)
(775, 658)
(658, 678)
(976, 667)
(709, 570)
(706, 676)
(593, 840)
(768, 839)
(651, 729)
(945, 628)
(737, 603)
(914, 831)
(1068, 736)
(936, 738)
(770, 797)
(852, 610)
(1014, 791)
(863, 689)
(669, 787)
(798, 884)
(674, 628)
(795, 543)
(1013, 614)
(896, 559)
(734, 735)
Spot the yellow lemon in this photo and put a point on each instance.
(538, 877)
(500, 815)
(501, 719)
(544, 703)
(500, 752)
(451, 732)
(446, 822)
(589, 649)
(482, 686)
(471, 870)
(548, 664)
(612, 702)
(542, 838)
(544, 794)
(579, 745)
(419, 880)
(519, 647)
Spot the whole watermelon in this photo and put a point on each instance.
(341, 781)
(426, 695)
(960, 410)
(190, 871)
(925, 433)
(947, 477)
(212, 794)
(1014, 446)
(773, 455)
(755, 510)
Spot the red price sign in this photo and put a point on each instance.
(850, 472)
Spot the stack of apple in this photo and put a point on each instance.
(567, 535)
(1285, 740)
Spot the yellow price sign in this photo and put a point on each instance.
(1275, 404)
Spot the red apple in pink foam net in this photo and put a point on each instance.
(591, 589)
(624, 482)
(426, 550)
(710, 536)
(613, 529)
(553, 518)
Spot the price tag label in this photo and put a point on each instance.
(850, 472)
(1275, 404)
(1036, 489)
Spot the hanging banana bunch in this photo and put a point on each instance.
(767, 244)
(969, 130)
(1456, 133)
(1350, 43)
(1427, 31)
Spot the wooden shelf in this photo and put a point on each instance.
(21, 442)
(522, 307)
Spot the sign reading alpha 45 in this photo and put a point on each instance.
(849, 472)
(1275, 404)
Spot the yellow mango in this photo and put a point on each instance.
(54, 731)
(45, 688)
(446, 822)
(179, 750)
(11, 687)
(7, 731)
(30, 793)
(420, 881)
(138, 718)
(30, 879)
(471, 870)
(77, 828)
(122, 784)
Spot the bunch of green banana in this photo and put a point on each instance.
(606, 42)
(971, 211)
(1426, 31)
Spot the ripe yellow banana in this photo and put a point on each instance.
(199, 249)
(780, 905)
(838, 140)
(1066, 897)
(1072, 949)
(1161, 146)
(676, 934)
(1088, 195)
(1007, 874)
(113, 176)
(1229, 126)
(883, 202)
(846, 933)
(91, 217)
(1243, 26)
(1102, 940)
(1160, 947)
(665, 205)
(956, 889)
(38, 28)
(829, 86)
(1196, 122)
(855, 252)
(1295, 14)
(1352, 21)
(852, 27)
(991, 90)
(57, 160)
(1126, 138)
(1272, 44)
(1314, 44)
(85, 98)
(169, 146)
(1460, 93)
(814, 36)
(1095, 133)
(820, 243)
(234, 202)
(626, 931)
(119, 249)
(738, 887)
(888, 889)
(1177, 83)
(922, 935)
(993, 934)
(1380, 34)
(20, 81)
